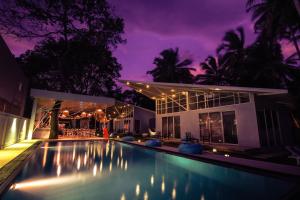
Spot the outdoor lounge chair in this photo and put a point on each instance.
(152, 133)
(295, 153)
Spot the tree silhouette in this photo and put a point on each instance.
(214, 72)
(276, 19)
(169, 68)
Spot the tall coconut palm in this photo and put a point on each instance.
(214, 72)
(232, 52)
(169, 68)
(264, 66)
(276, 19)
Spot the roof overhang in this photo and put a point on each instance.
(72, 102)
(156, 89)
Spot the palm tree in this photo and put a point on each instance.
(276, 19)
(169, 68)
(232, 52)
(214, 72)
(264, 66)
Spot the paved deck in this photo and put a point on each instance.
(242, 162)
(11, 152)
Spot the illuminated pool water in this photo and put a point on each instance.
(116, 171)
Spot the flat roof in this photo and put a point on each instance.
(71, 101)
(154, 89)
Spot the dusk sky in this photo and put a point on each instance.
(196, 27)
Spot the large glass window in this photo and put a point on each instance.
(218, 127)
(204, 127)
(199, 100)
(229, 126)
(171, 127)
(215, 124)
(177, 126)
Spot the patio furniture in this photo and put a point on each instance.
(190, 148)
(127, 138)
(295, 153)
(153, 143)
(189, 138)
(145, 135)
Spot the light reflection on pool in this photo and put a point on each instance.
(115, 171)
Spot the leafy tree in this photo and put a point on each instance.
(71, 31)
(214, 72)
(84, 69)
(169, 68)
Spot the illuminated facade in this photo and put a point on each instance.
(237, 116)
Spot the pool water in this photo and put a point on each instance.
(116, 171)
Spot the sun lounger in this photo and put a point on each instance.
(295, 154)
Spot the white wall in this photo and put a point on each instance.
(245, 113)
(144, 115)
(12, 129)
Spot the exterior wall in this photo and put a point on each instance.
(144, 116)
(12, 129)
(285, 130)
(13, 83)
(245, 113)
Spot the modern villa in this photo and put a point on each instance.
(239, 116)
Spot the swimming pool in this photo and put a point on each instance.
(116, 171)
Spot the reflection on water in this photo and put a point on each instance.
(110, 170)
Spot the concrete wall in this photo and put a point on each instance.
(245, 113)
(13, 83)
(144, 115)
(12, 129)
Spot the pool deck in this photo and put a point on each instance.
(11, 152)
(280, 169)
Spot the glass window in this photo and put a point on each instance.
(209, 97)
(169, 105)
(201, 101)
(216, 99)
(229, 126)
(204, 127)
(193, 100)
(182, 100)
(164, 126)
(226, 99)
(177, 126)
(163, 106)
(244, 97)
(215, 125)
(170, 127)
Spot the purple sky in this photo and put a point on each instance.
(196, 27)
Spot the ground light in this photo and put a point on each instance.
(11, 138)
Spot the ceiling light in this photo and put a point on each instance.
(147, 86)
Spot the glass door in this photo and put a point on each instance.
(165, 127)
(170, 127)
(215, 125)
(204, 127)
(177, 126)
(229, 126)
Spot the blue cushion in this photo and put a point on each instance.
(127, 138)
(153, 143)
(190, 148)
